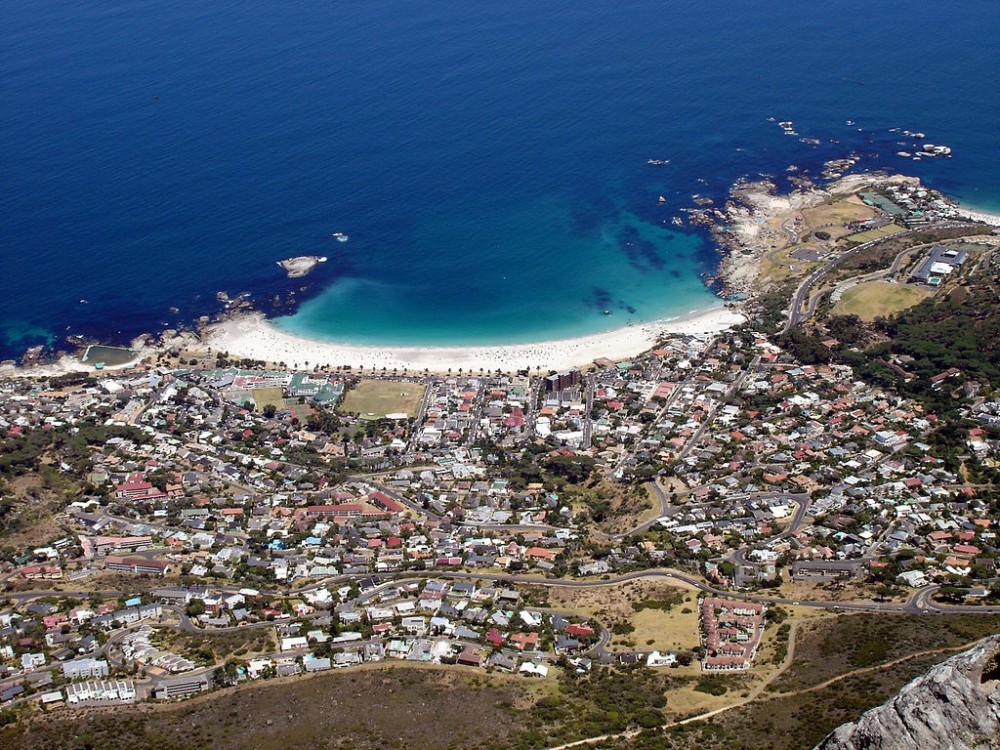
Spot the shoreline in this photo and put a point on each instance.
(252, 336)
(757, 220)
(975, 214)
(754, 220)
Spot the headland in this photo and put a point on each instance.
(766, 239)
(769, 238)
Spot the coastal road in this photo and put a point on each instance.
(795, 313)
(917, 604)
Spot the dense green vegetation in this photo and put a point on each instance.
(601, 701)
(54, 463)
(23, 453)
(769, 308)
(574, 469)
(959, 329)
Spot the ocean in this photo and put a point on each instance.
(488, 161)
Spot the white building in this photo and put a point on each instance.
(77, 668)
(101, 691)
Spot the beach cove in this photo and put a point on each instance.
(498, 174)
(253, 336)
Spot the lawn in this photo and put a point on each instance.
(265, 396)
(676, 629)
(830, 217)
(875, 234)
(373, 399)
(878, 298)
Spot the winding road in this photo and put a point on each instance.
(795, 313)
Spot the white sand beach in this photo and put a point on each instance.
(987, 218)
(254, 337)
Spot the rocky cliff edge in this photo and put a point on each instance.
(954, 706)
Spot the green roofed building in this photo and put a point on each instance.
(880, 201)
(319, 390)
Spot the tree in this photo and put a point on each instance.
(575, 469)
(227, 675)
(884, 592)
(954, 594)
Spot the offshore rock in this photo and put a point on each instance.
(955, 706)
(300, 265)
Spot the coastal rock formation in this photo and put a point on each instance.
(179, 340)
(300, 265)
(955, 706)
(757, 220)
(750, 226)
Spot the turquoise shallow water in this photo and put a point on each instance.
(488, 161)
(514, 289)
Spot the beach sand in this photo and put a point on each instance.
(987, 218)
(254, 337)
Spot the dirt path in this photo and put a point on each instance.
(863, 670)
(754, 694)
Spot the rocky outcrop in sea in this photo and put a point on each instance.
(300, 265)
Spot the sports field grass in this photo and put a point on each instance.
(373, 399)
(830, 217)
(878, 298)
(273, 396)
(875, 234)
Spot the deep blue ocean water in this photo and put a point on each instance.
(487, 160)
